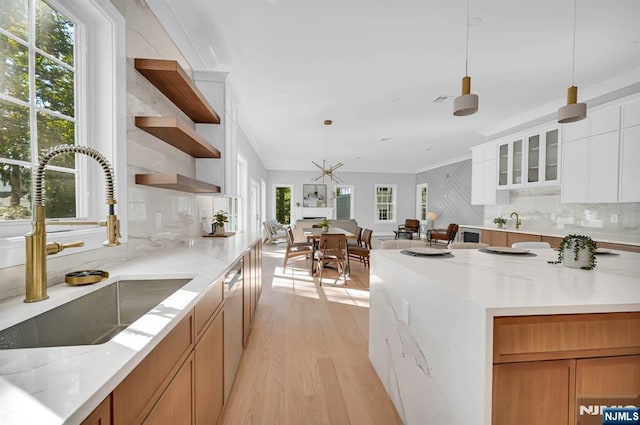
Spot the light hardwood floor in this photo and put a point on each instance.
(307, 358)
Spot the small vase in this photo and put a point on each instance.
(220, 230)
(325, 229)
(583, 261)
(500, 225)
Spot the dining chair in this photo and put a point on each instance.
(531, 245)
(361, 253)
(358, 240)
(295, 249)
(332, 249)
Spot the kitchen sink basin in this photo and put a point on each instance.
(94, 318)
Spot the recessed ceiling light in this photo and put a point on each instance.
(428, 148)
(442, 98)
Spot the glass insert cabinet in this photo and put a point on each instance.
(529, 159)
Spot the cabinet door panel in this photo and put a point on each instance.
(532, 393)
(575, 131)
(605, 121)
(209, 381)
(629, 170)
(603, 167)
(101, 415)
(608, 376)
(631, 114)
(175, 406)
(575, 168)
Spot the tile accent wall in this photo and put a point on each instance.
(541, 211)
(449, 194)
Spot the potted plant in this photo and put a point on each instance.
(500, 221)
(324, 224)
(577, 251)
(219, 219)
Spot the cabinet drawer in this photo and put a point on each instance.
(548, 337)
(135, 396)
(207, 306)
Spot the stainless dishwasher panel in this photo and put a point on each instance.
(233, 282)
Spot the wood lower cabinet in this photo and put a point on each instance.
(544, 365)
(252, 287)
(101, 415)
(175, 406)
(532, 393)
(506, 238)
(494, 238)
(209, 367)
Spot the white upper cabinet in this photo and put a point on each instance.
(483, 176)
(629, 167)
(529, 159)
(600, 155)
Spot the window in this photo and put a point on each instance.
(62, 65)
(385, 203)
(421, 201)
(37, 107)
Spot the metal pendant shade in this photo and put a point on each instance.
(572, 111)
(467, 103)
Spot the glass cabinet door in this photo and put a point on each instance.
(533, 153)
(517, 162)
(503, 165)
(551, 156)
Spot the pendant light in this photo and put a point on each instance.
(467, 103)
(326, 168)
(572, 111)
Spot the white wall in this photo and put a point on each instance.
(364, 194)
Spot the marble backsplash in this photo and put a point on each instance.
(542, 211)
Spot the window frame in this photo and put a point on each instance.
(394, 203)
(100, 92)
(419, 189)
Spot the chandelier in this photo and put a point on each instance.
(326, 168)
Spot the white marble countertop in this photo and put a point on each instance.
(551, 232)
(62, 385)
(528, 284)
(431, 319)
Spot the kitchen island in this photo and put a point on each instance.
(432, 322)
(63, 385)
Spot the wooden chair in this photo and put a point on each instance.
(332, 249)
(447, 236)
(410, 225)
(295, 249)
(361, 252)
(358, 241)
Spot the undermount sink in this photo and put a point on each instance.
(94, 318)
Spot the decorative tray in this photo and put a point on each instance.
(506, 250)
(419, 251)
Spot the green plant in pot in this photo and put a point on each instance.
(577, 251)
(500, 221)
(219, 219)
(324, 224)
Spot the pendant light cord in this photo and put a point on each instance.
(466, 58)
(573, 59)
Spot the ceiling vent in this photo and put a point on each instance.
(442, 98)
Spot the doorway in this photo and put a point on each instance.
(254, 199)
(282, 195)
(344, 202)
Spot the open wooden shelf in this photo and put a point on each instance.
(176, 182)
(179, 135)
(169, 77)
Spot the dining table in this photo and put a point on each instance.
(313, 235)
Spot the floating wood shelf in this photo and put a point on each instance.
(176, 182)
(179, 135)
(169, 77)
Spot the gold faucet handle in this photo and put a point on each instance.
(56, 247)
(113, 231)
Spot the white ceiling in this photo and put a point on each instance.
(375, 67)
